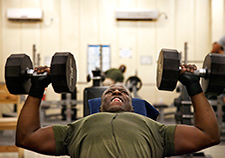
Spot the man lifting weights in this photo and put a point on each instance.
(116, 131)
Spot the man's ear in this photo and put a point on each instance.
(132, 109)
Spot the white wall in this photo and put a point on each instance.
(77, 23)
(217, 19)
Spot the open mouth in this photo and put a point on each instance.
(116, 99)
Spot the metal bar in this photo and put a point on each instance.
(185, 52)
(61, 102)
(34, 55)
(100, 52)
(38, 59)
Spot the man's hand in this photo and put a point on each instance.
(190, 80)
(42, 69)
(39, 83)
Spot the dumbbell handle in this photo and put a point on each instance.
(31, 73)
(199, 72)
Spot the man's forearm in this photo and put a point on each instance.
(204, 116)
(28, 121)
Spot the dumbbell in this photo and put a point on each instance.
(19, 70)
(212, 72)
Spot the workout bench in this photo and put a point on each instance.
(9, 123)
(141, 107)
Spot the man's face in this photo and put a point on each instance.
(115, 99)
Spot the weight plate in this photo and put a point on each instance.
(63, 72)
(214, 83)
(16, 79)
(133, 81)
(167, 69)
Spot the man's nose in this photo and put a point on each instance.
(116, 91)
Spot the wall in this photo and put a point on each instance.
(217, 19)
(70, 25)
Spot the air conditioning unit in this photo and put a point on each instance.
(147, 14)
(34, 14)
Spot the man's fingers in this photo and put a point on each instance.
(42, 69)
(183, 69)
(188, 68)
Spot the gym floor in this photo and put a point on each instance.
(212, 152)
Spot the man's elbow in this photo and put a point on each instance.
(215, 140)
(21, 142)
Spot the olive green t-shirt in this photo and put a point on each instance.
(107, 135)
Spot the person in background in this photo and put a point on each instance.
(114, 75)
(219, 47)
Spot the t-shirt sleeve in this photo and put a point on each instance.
(168, 134)
(60, 133)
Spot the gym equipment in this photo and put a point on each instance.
(141, 107)
(212, 72)
(98, 77)
(63, 72)
(72, 112)
(90, 93)
(19, 70)
(133, 84)
(133, 81)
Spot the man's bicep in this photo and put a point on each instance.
(43, 141)
(189, 139)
